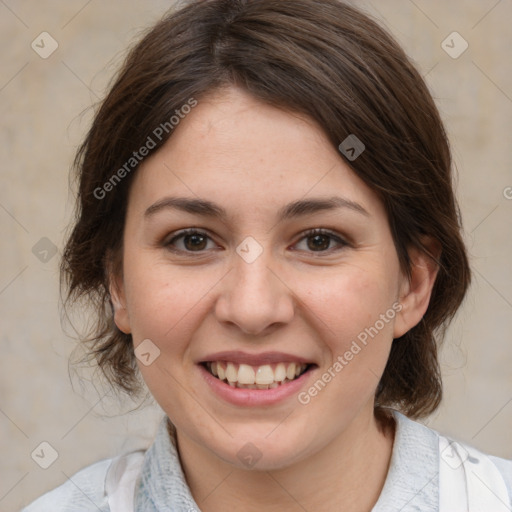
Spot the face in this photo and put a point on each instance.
(260, 283)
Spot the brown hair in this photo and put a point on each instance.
(321, 58)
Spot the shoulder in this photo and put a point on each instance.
(84, 491)
(478, 472)
(484, 480)
(413, 428)
(505, 468)
(492, 471)
(454, 453)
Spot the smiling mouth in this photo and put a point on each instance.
(267, 376)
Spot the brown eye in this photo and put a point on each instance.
(191, 241)
(194, 242)
(319, 240)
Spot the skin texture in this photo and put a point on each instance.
(252, 159)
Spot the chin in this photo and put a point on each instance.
(260, 449)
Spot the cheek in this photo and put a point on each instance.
(348, 302)
(165, 306)
(354, 315)
(162, 300)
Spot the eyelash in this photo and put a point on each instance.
(305, 235)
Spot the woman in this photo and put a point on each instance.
(267, 226)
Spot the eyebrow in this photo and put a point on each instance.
(298, 208)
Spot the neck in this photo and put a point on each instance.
(347, 474)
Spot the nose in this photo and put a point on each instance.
(254, 297)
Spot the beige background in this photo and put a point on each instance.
(41, 104)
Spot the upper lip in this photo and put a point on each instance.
(237, 356)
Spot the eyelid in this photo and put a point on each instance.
(342, 241)
(167, 242)
(186, 231)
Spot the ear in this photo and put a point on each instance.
(415, 292)
(117, 295)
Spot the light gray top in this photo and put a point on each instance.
(412, 482)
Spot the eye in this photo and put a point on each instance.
(192, 241)
(319, 240)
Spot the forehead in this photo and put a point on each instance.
(247, 154)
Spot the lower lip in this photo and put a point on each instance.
(254, 397)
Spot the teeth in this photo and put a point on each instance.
(280, 373)
(262, 377)
(231, 373)
(245, 374)
(290, 371)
